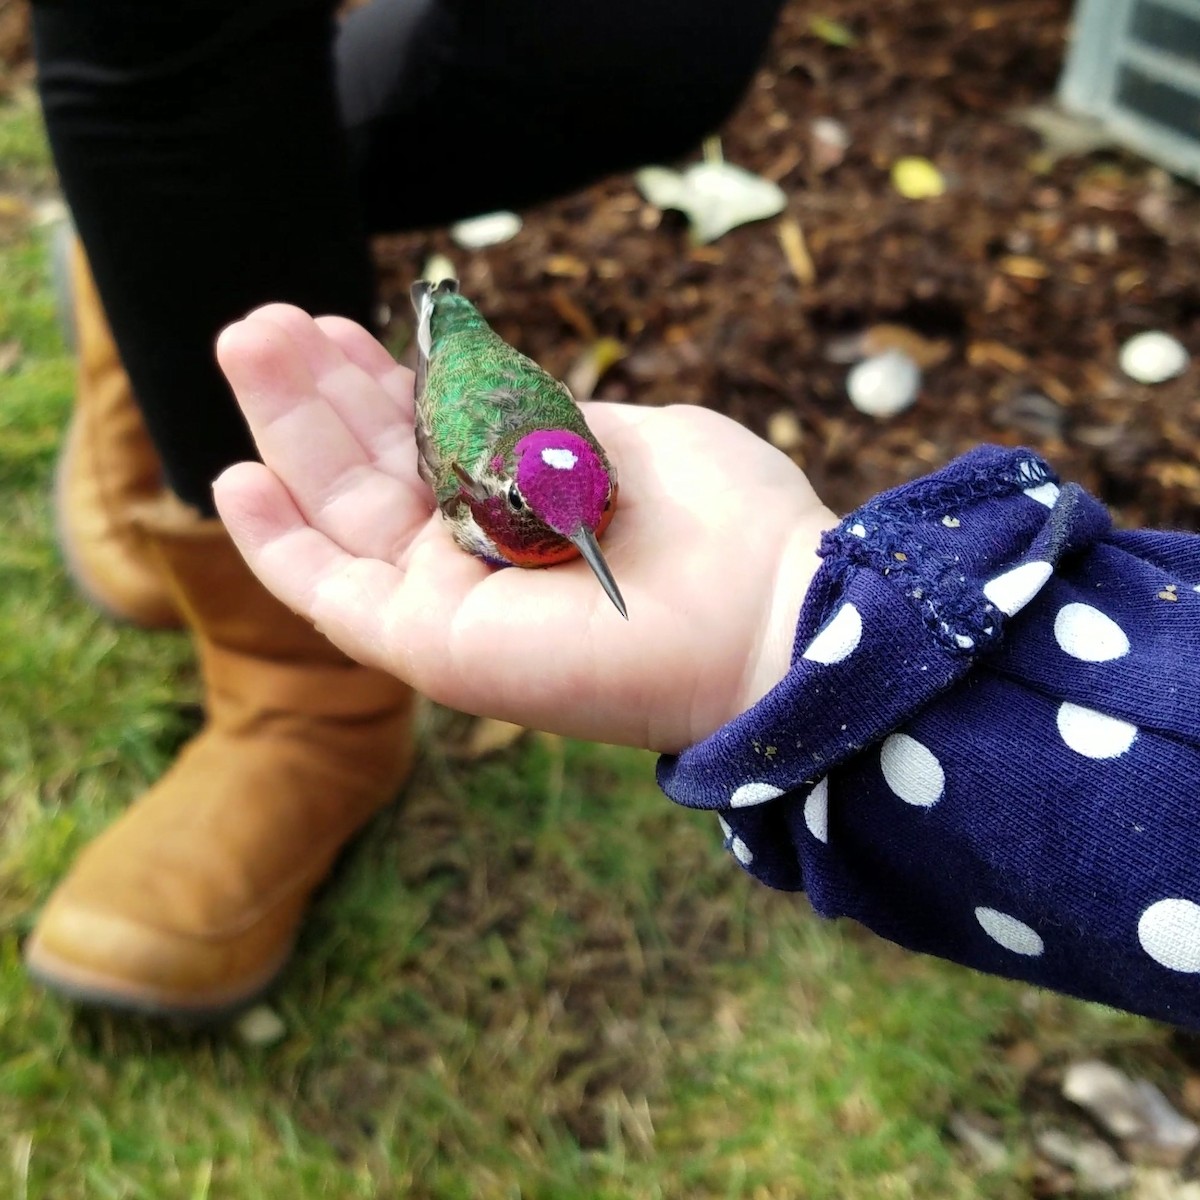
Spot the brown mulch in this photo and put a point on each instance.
(1031, 271)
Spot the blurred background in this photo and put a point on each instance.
(534, 977)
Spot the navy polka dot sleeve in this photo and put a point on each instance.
(988, 744)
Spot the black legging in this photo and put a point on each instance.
(219, 154)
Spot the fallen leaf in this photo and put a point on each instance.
(1133, 1110)
(979, 1136)
(1154, 1183)
(714, 196)
(592, 365)
(917, 178)
(1096, 1165)
(1064, 134)
(833, 32)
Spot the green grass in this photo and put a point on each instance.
(533, 978)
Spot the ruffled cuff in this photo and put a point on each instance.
(986, 747)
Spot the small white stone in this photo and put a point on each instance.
(261, 1026)
(490, 229)
(885, 384)
(1153, 357)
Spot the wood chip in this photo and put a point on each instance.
(795, 249)
(1020, 266)
(996, 354)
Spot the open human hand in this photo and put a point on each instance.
(713, 546)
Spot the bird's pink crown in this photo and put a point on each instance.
(562, 479)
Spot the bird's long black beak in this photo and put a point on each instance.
(585, 542)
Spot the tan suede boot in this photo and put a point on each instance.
(189, 905)
(107, 466)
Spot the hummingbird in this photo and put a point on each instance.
(516, 472)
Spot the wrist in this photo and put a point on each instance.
(771, 655)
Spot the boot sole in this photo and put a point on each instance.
(80, 985)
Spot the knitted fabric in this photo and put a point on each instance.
(987, 746)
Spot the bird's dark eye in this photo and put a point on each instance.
(515, 501)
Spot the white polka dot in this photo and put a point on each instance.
(1046, 494)
(858, 529)
(816, 811)
(951, 522)
(839, 639)
(1014, 589)
(558, 458)
(1086, 633)
(1169, 931)
(964, 642)
(1093, 734)
(753, 793)
(1010, 933)
(726, 828)
(912, 771)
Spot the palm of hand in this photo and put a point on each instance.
(712, 546)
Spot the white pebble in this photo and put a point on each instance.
(1153, 357)
(488, 230)
(261, 1026)
(885, 384)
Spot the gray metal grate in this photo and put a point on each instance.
(1135, 65)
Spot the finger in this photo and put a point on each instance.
(305, 441)
(371, 414)
(360, 347)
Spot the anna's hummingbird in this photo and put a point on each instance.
(513, 465)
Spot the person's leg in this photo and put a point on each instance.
(456, 107)
(200, 152)
(199, 149)
(203, 150)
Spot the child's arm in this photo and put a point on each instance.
(988, 745)
(983, 744)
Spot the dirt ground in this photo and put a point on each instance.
(1026, 275)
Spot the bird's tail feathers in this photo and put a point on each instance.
(422, 293)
